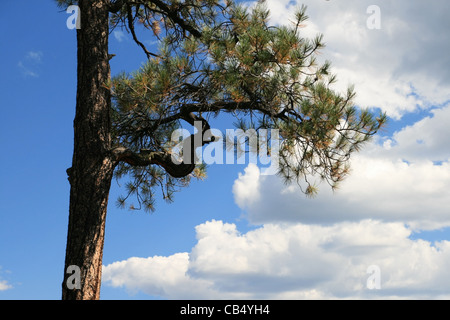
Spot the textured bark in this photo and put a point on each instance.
(92, 168)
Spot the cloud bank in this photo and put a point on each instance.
(293, 261)
(322, 248)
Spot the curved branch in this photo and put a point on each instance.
(133, 33)
(146, 157)
(164, 159)
(115, 7)
(173, 15)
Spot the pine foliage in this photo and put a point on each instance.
(215, 57)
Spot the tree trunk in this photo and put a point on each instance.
(92, 167)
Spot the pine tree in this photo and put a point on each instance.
(213, 57)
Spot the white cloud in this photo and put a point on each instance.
(156, 276)
(29, 65)
(35, 56)
(405, 178)
(4, 285)
(26, 72)
(426, 139)
(322, 248)
(119, 35)
(292, 262)
(398, 68)
(246, 187)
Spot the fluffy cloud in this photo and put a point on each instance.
(156, 276)
(320, 248)
(293, 262)
(404, 179)
(4, 285)
(246, 187)
(398, 67)
(416, 194)
(424, 140)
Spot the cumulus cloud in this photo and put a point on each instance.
(322, 248)
(399, 67)
(405, 178)
(246, 187)
(416, 194)
(294, 261)
(425, 140)
(156, 276)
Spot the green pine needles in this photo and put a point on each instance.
(212, 58)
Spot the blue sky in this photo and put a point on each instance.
(239, 234)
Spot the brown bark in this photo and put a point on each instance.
(92, 167)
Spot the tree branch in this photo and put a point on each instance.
(133, 33)
(173, 15)
(146, 158)
(229, 106)
(164, 159)
(115, 6)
